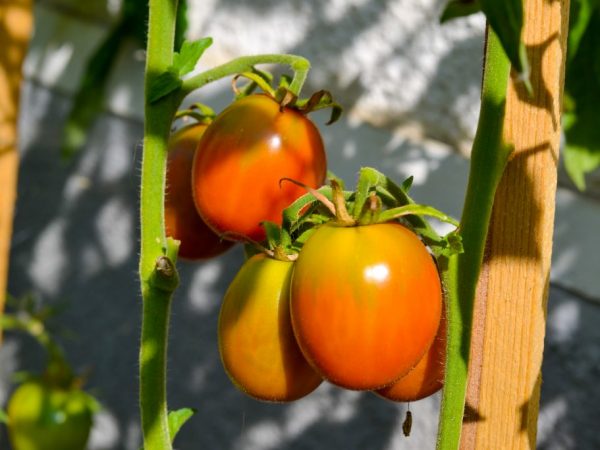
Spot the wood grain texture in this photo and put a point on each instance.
(508, 342)
(15, 29)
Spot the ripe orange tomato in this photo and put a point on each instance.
(426, 378)
(182, 221)
(243, 155)
(365, 303)
(256, 341)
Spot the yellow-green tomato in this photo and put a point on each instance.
(256, 340)
(45, 417)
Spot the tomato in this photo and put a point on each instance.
(365, 303)
(45, 417)
(242, 157)
(256, 341)
(426, 378)
(182, 221)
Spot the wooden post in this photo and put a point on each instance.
(15, 29)
(508, 341)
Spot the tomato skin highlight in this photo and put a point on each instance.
(43, 417)
(256, 341)
(426, 378)
(365, 303)
(242, 157)
(182, 221)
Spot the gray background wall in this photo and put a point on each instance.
(410, 90)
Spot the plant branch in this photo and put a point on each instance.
(461, 271)
(154, 245)
(299, 65)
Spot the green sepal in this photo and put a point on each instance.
(415, 209)
(292, 214)
(273, 232)
(333, 176)
(259, 78)
(407, 184)
(3, 416)
(320, 100)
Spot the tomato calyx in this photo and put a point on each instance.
(284, 96)
(199, 112)
(377, 199)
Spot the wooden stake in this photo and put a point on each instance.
(508, 341)
(15, 29)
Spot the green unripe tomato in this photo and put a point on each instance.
(45, 417)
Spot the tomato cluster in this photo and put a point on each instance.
(360, 308)
(351, 298)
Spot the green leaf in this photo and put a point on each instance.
(3, 416)
(582, 96)
(163, 85)
(178, 418)
(459, 8)
(89, 99)
(186, 59)
(506, 19)
(449, 245)
(184, 62)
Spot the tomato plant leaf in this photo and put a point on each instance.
(459, 8)
(178, 418)
(580, 14)
(506, 19)
(447, 246)
(184, 62)
(164, 84)
(89, 99)
(186, 59)
(582, 97)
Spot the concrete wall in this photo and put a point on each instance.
(410, 89)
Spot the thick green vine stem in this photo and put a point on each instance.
(461, 271)
(156, 299)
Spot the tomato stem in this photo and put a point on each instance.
(461, 271)
(244, 64)
(154, 244)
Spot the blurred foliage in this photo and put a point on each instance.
(89, 99)
(581, 101)
(581, 118)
